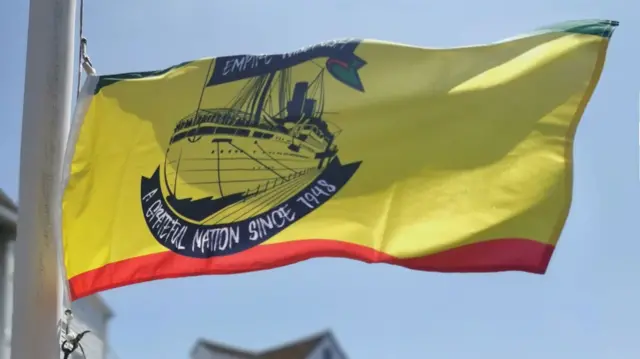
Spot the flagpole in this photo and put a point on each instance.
(45, 125)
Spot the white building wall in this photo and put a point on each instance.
(327, 349)
(6, 291)
(200, 353)
(87, 317)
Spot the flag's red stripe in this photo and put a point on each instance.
(491, 256)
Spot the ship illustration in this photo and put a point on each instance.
(271, 141)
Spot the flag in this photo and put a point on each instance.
(447, 160)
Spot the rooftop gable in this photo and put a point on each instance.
(297, 349)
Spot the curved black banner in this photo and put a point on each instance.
(205, 241)
(238, 67)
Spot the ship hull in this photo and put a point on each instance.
(240, 175)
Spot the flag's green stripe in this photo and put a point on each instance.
(602, 28)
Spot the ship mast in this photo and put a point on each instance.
(263, 96)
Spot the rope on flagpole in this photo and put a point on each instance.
(70, 341)
(84, 62)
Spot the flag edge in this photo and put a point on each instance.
(584, 27)
(497, 255)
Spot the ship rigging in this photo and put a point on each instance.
(268, 142)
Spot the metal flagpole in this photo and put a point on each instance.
(45, 125)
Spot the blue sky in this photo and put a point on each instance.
(585, 307)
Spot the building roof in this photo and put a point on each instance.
(225, 349)
(6, 201)
(298, 349)
(8, 211)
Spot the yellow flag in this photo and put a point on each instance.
(449, 160)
